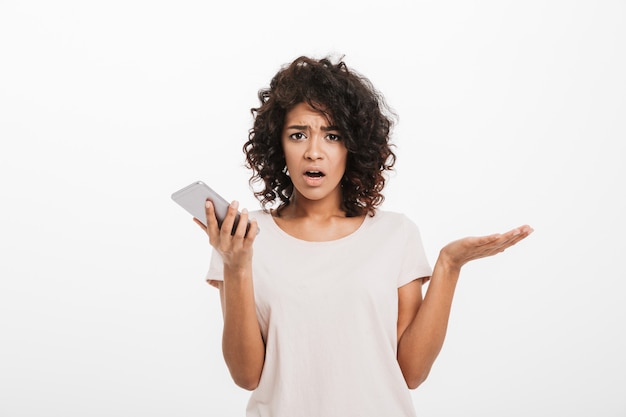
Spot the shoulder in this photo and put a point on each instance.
(264, 220)
(392, 218)
(396, 224)
(259, 215)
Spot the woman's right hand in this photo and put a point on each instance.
(242, 344)
(235, 249)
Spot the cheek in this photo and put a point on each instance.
(287, 154)
(342, 160)
(289, 159)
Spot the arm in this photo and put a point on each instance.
(422, 325)
(242, 343)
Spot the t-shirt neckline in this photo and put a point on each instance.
(366, 221)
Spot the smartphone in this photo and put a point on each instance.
(193, 199)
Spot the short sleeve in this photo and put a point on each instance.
(415, 264)
(216, 268)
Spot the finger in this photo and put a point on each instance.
(229, 220)
(517, 234)
(212, 227)
(240, 231)
(486, 240)
(517, 238)
(522, 230)
(513, 237)
(199, 223)
(253, 230)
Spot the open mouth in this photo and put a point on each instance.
(314, 174)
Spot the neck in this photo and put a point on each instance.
(301, 207)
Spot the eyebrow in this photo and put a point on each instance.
(304, 127)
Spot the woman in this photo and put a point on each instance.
(323, 311)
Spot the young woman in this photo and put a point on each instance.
(323, 310)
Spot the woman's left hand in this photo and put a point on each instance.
(458, 253)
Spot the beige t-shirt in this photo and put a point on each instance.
(328, 314)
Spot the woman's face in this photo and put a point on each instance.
(315, 153)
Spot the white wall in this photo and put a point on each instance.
(510, 113)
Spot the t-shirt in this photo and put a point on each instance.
(328, 313)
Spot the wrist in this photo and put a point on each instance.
(448, 264)
(237, 272)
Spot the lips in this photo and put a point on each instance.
(313, 177)
(314, 174)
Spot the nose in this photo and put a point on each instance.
(314, 148)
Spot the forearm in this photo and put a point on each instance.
(421, 342)
(242, 343)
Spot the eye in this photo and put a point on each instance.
(332, 137)
(297, 136)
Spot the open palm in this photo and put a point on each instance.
(459, 252)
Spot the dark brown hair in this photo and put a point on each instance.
(346, 98)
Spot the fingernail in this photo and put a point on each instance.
(208, 204)
(234, 204)
(244, 211)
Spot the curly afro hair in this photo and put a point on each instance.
(354, 106)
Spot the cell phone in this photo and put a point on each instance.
(193, 199)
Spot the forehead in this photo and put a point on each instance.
(305, 112)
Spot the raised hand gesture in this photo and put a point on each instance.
(456, 254)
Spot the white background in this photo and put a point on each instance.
(510, 112)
